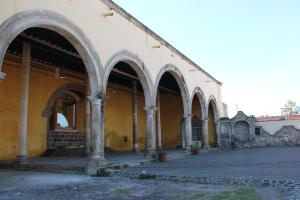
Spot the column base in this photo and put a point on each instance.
(206, 147)
(136, 148)
(187, 149)
(22, 160)
(150, 153)
(94, 164)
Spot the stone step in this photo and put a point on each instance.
(62, 152)
(78, 169)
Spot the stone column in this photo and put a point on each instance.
(24, 102)
(205, 133)
(150, 135)
(96, 158)
(188, 131)
(87, 117)
(87, 124)
(158, 122)
(217, 124)
(134, 118)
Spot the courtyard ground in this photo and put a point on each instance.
(270, 173)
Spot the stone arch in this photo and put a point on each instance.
(241, 133)
(201, 97)
(213, 124)
(138, 65)
(214, 104)
(61, 90)
(19, 22)
(175, 72)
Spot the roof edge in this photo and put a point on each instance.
(142, 26)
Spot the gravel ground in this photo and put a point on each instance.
(37, 185)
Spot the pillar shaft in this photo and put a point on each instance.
(205, 133)
(97, 159)
(150, 132)
(134, 118)
(217, 124)
(188, 130)
(87, 117)
(158, 122)
(87, 124)
(24, 102)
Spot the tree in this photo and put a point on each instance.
(290, 104)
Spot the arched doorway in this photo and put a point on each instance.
(172, 103)
(37, 62)
(213, 117)
(128, 88)
(198, 110)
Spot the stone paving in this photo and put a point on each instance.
(273, 172)
(268, 167)
(51, 186)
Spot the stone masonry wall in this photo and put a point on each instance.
(241, 132)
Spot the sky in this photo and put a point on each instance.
(251, 46)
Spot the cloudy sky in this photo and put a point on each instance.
(251, 46)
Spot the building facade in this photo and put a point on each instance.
(78, 74)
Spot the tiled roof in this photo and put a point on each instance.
(277, 118)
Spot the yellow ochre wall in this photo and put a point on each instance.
(212, 137)
(118, 114)
(39, 92)
(171, 111)
(196, 111)
(118, 120)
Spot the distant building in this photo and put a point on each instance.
(290, 111)
(286, 111)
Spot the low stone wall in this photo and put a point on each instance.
(242, 132)
(286, 136)
(65, 139)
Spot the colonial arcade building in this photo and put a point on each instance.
(86, 77)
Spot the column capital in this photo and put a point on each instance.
(150, 109)
(205, 119)
(2, 76)
(100, 99)
(189, 115)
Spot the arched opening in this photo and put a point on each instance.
(198, 115)
(241, 134)
(212, 132)
(125, 118)
(172, 105)
(37, 63)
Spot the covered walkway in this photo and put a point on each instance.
(78, 164)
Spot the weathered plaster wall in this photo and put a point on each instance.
(171, 115)
(273, 126)
(286, 136)
(118, 120)
(39, 93)
(110, 35)
(118, 114)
